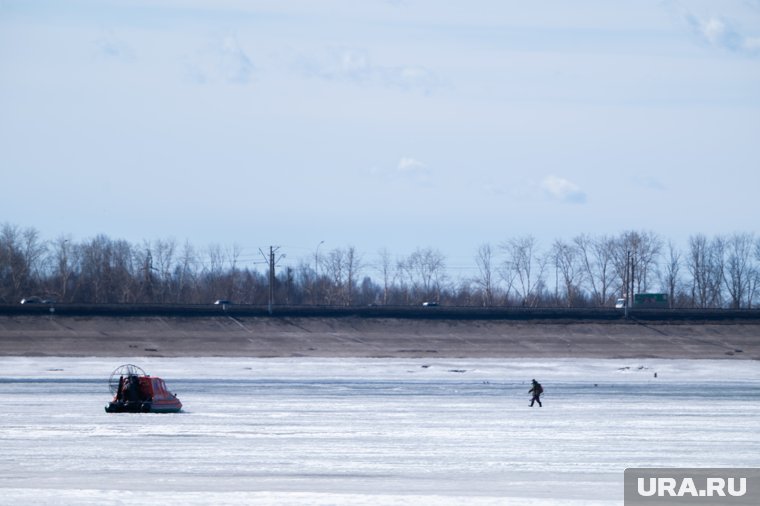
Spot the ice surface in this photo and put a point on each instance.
(369, 431)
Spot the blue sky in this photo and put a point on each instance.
(397, 124)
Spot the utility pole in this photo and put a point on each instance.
(626, 300)
(272, 262)
(315, 282)
(633, 273)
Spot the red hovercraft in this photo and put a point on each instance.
(137, 392)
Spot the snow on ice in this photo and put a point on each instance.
(369, 431)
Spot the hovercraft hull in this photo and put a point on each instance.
(143, 407)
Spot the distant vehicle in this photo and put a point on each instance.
(651, 300)
(36, 300)
(223, 302)
(620, 303)
(429, 304)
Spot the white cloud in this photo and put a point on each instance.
(648, 182)
(223, 60)
(409, 173)
(752, 44)
(337, 64)
(561, 189)
(720, 33)
(352, 63)
(407, 78)
(113, 47)
(235, 64)
(408, 164)
(356, 66)
(492, 188)
(714, 30)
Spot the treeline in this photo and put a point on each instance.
(585, 271)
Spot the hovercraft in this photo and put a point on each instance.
(135, 391)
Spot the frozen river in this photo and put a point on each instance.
(369, 431)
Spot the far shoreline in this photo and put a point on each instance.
(357, 337)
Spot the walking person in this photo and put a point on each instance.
(536, 390)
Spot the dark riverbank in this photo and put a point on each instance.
(239, 331)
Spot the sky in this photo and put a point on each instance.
(397, 124)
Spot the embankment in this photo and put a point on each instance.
(244, 335)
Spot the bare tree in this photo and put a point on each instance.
(63, 268)
(426, 271)
(755, 277)
(334, 267)
(386, 270)
(13, 269)
(597, 260)
(369, 292)
(122, 280)
(109, 271)
(643, 250)
(147, 281)
(220, 272)
(567, 262)
(163, 262)
(21, 258)
(704, 265)
(341, 266)
(484, 280)
(353, 267)
(402, 289)
(527, 265)
(739, 270)
(213, 274)
(671, 272)
(33, 251)
(233, 279)
(508, 276)
(186, 275)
